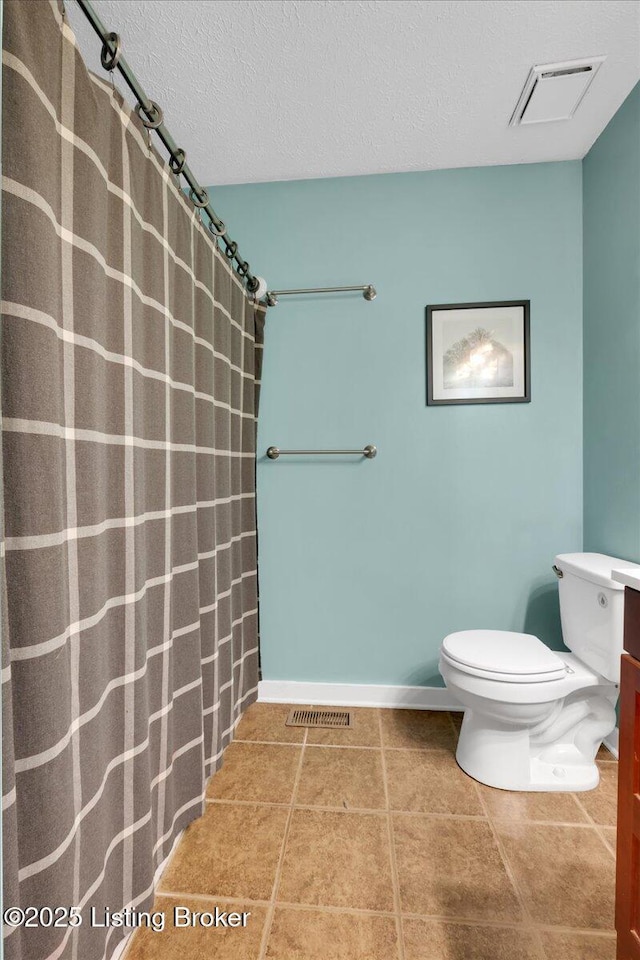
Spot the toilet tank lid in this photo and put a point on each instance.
(595, 567)
(500, 651)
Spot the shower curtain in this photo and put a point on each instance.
(130, 372)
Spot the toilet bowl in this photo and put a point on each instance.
(535, 718)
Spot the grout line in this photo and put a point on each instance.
(599, 831)
(483, 817)
(395, 880)
(364, 811)
(239, 901)
(266, 933)
(304, 806)
(269, 743)
(511, 874)
(388, 810)
(289, 905)
(526, 821)
(344, 746)
(423, 748)
(592, 822)
(247, 803)
(298, 743)
(576, 931)
(521, 927)
(518, 925)
(322, 908)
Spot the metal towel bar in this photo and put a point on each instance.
(369, 452)
(367, 289)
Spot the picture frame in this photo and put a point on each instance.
(478, 352)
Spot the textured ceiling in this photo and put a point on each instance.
(286, 89)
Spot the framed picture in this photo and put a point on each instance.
(478, 353)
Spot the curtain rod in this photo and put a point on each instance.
(111, 58)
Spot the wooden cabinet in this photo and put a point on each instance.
(628, 843)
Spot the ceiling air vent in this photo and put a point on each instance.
(554, 90)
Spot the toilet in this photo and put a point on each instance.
(534, 717)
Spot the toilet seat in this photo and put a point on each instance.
(503, 655)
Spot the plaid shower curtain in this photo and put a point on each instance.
(130, 371)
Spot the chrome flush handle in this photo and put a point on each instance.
(558, 572)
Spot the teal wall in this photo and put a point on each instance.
(611, 188)
(366, 565)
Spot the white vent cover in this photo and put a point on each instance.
(554, 90)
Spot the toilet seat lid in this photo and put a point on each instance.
(504, 653)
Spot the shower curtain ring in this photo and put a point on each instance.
(218, 231)
(199, 200)
(155, 111)
(242, 269)
(109, 58)
(177, 161)
(231, 250)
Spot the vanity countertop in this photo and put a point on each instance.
(630, 578)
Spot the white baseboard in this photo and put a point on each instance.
(611, 742)
(356, 695)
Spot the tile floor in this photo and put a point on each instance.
(371, 844)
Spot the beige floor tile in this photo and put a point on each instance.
(447, 868)
(256, 771)
(425, 781)
(601, 804)
(430, 729)
(438, 940)
(311, 935)
(337, 859)
(566, 875)
(576, 946)
(510, 805)
(342, 778)
(452, 868)
(266, 721)
(364, 733)
(200, 943)
(231, 851)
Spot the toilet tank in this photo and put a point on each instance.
(591, 609)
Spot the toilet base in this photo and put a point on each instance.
(502, 756)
